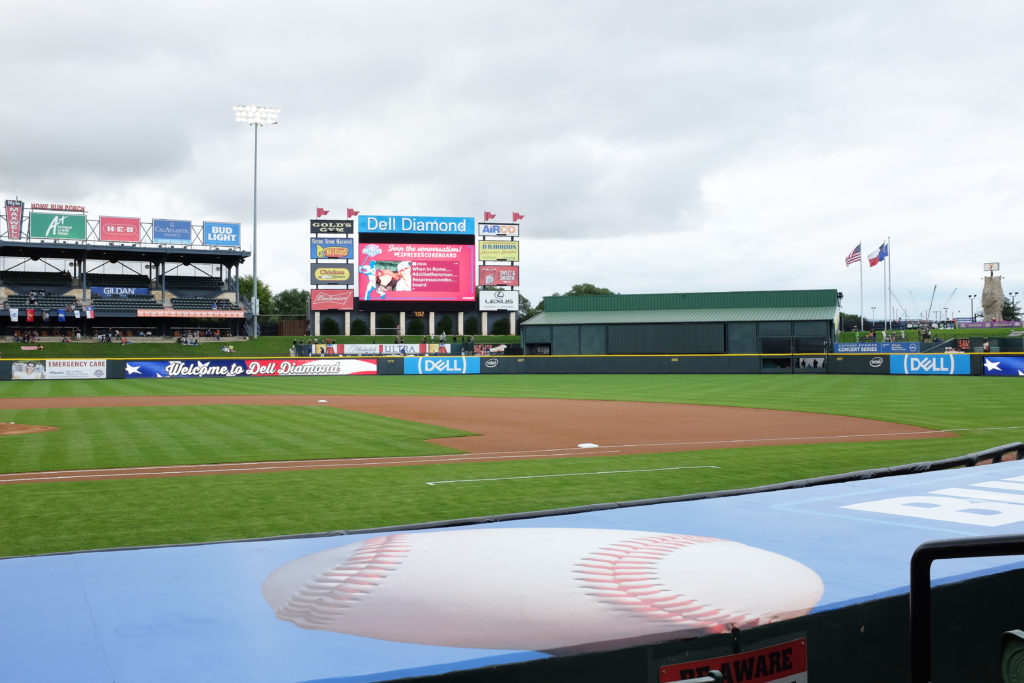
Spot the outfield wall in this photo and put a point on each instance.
(1005, 364)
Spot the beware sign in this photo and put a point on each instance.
(785, 663)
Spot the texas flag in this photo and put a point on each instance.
(89, 312)
(516, 217)
(489, 216)
(352, 212)
(321, 212)
(878, 255)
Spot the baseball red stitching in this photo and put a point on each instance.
(623, 576)
(337, 588)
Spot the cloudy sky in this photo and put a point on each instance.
(653, 146)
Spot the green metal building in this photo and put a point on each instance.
(773, 322)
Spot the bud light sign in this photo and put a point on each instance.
(220, 234)
(441, 365)
(930, 364)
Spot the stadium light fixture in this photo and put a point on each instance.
(255, 116)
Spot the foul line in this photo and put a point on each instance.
(574, 474)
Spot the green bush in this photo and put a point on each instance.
(416, 326)
(360, 327)
(501, 326)
(330, 326)
(444, 325)
(471, 326)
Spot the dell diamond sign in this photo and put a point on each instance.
(930, 364)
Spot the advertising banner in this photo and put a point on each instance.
(881, 347)
(499, 275)
(499, 300)
(119, 291)
(115, 229)
(57, 226)
(498, 229)
(297, 367)
(326, 227)
(332, 299)
(94, 368)
(331, 247)
(178, 312)
(991, 324)
(150, 369)
(785, 663)
(1004, 366)
(445, 365)
(417, 272)
(391, 349)
(494, 250)
(167, 231)
(930, 364)
(15, 209)
(418, 225)
(221, 234)
(329, 275)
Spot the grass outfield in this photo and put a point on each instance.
(50, 517)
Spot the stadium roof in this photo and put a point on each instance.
(707, 307)
(114, 252)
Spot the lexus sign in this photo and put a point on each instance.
(499, 300)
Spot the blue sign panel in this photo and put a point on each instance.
(149, 369)
(172, 231)
(443, 365)
(1004, 366)
(930, 364)
(220, 234)
(418, 225)
(881, 347)
(119, 291)
(331, 247)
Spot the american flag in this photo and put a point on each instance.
(853, 256)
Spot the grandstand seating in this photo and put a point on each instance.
(33, 278)
(199, 303)
(116, 280)
(125, 303)
(193, 282)
(40, 301)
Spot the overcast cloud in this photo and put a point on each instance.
(653, 146)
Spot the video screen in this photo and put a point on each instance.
(391, 272)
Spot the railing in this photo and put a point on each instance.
(920, 588)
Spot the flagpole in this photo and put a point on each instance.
(888, 251)
(862, 290)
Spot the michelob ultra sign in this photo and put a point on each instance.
(57, 226)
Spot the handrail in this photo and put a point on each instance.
(920, 588)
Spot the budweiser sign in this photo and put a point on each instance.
(331, 300)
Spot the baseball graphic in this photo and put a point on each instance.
(539, 589)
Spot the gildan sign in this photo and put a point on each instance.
(115, 229)
(57, 226)
(332, 299)
(221, 234)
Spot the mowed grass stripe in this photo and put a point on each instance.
(51, 517)
(178, 435)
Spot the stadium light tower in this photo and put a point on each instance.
(255, 116)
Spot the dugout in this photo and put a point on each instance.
(780, 323)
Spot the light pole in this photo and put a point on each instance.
(255, 116)
(1013, 300)
(971, 297)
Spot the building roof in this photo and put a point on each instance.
(116, 252)
(706, 307)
